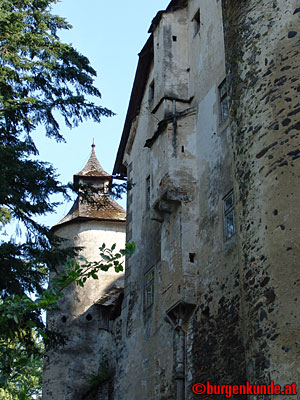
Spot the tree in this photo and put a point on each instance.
(28, 384)
(40, 78)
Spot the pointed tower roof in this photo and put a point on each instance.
(92, 168)
(104, 208)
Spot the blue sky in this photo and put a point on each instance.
(110, 34)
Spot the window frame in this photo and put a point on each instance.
(223, 101)
(228, 210)
(149, 278)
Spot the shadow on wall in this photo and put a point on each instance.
(83, 364)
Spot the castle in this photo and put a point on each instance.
(83, 313)
(210, 148)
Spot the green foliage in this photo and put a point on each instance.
(20, 323)
(80, 272)
(28, 385)
(103, 373)
(5, 216)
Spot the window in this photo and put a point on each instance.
(192, 257)
(229, 223)
(223, 100)
(151, 91)
(196, 22)
(149, 288)
(148, 192)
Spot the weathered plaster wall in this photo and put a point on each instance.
(234, 301)
(171, 56)
(178, 227)
(68, 368)
(263, 62)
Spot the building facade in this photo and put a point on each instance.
(182, 284)
(210, 149)
(262, 58)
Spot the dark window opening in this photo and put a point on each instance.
(89, 317)
(182, 149)
(151, 91)
(174, 38)
(196, 22)
(223, 101)
(192, 257)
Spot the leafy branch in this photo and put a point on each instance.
(14, 310)
(20, 315)
(80, 272)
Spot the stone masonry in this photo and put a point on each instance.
(210, 148)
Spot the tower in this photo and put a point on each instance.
(264, 89)
(80, 318)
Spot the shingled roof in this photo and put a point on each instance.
(92, 168)
(102, 207)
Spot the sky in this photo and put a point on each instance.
(110, 34)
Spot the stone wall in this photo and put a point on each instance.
(263, 66)
(68, 369)
(178, 157)
(201, 302)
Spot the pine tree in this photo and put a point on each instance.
(40, 78)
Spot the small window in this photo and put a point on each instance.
(89, 317)
(148, 192)
(196, 22)
(151, 91)
(149, 288)
(229, 220)
(223, 100)
(192, 257)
